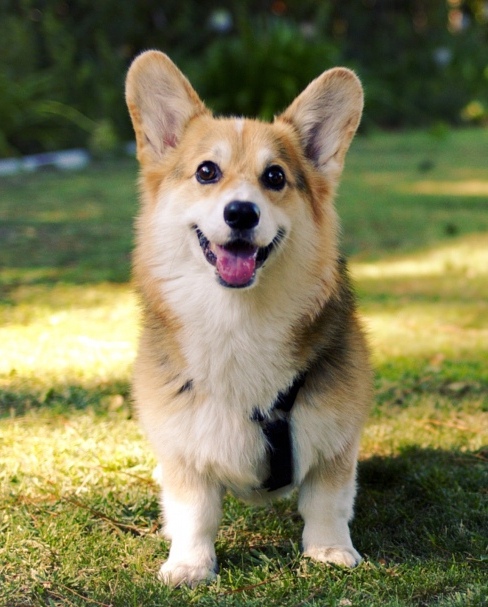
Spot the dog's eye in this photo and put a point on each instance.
(208, 172)
(274, 177)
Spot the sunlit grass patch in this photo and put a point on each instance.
(73, 453)
(428, 310)
(71, 343)
(415, 418)
(68, 327)
(471, 187)
(463, 257)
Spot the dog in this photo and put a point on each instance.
(252, 373)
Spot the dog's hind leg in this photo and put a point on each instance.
(326, 503)
(192, 515)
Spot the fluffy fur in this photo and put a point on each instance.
(211, 352)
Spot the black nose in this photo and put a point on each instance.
(240, 215)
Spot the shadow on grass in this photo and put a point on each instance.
(423, 504)
(63, 400)
(74, 228)
(420, 505)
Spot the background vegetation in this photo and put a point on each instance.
(63, 62)
(78, 506)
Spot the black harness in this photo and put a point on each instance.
(277, 432)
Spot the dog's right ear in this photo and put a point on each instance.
(326, 115)
(161, 102)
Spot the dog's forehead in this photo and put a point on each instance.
(246, 140)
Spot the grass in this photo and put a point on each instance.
(78, 507)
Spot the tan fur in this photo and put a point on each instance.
(209, 354)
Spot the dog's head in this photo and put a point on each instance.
(225, 196)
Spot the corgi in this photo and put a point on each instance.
(252, 373)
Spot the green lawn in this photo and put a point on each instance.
(78, 506)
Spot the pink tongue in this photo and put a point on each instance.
(235, 267)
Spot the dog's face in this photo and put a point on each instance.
(237, 190)
(227, 197)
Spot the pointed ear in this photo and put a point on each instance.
(161, 102)
(326, 116)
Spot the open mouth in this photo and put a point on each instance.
(237, 261)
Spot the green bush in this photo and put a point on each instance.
(44, 104)
(63, 65)
(260, 71)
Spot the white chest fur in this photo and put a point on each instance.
(238, 352)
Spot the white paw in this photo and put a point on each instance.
(178, 573)
(338, 555)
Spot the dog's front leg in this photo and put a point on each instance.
(326, 503)
(192, 512)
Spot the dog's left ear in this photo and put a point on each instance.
(326, 115)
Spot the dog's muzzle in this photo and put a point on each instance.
(237, 260)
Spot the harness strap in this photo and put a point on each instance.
(278, 435)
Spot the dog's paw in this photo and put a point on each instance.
(189, 574)
(337, 555)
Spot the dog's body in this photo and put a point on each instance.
(236, 262)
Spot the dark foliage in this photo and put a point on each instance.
(63, 62)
